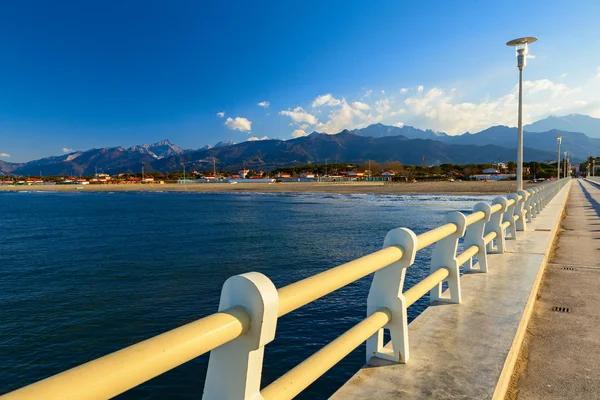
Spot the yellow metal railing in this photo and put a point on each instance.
(120, 371)
(113, 374)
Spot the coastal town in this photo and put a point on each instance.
(316, 173)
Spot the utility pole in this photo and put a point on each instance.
(521, 47)
(142, 174)
(559, 141)
(565, 174)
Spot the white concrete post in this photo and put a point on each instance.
(529, 205)
(534, 201)
(538, 200)
(509, 215)
(386, 291)
(545, 196)
(519, 208)
(495, 226)
(235, 369)
(444, 255)
(474, 237)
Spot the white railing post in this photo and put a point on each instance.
(519, 210)
(495, 225)
(235, 369)
(529, 205)
(474, 237)
(535, 201)
(509, 215)
(386, 291)
(444, 256)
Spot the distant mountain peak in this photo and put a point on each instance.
(158, 150)
(569, 123)
(224, 143)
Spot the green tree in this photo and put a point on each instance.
(512, 166)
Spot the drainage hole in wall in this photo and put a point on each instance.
(561, 309)
(569, 269)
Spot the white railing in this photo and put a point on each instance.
(250, 307)
(593, 179)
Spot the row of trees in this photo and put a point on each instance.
(586, 166)
(462, 171)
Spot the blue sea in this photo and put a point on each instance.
(85, 274)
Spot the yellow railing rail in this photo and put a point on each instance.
(420, 289)
(113, 374)
(120, 371)
(298, 294)
(430, 237)
(300, 377)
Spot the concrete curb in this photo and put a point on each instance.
(513, 354)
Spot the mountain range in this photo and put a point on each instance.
(377, 142)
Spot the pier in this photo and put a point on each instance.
(559, 358)
(466, 344)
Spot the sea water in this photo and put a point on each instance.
(85, 274)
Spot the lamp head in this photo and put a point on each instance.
(521, 46)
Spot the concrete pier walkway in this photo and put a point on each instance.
(469, 350)
(559, 358)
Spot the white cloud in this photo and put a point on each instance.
(264, 104)
(357, 105)
(367, 94)
(221, 114)
(382, 91)
(254, 138)
(398, 124)
(299, 133)
(403, 90)
(530, 56)
(382, 106)
(348, 116)
(326, 100)
(5, 155)
(448, 109)
(298, 115)
(67, 150)
(239, 124)
(564, 75)
(443, 111)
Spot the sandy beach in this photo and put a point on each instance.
(467, 187)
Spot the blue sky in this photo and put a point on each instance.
(81, 74)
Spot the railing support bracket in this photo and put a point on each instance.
(235, 369)
(386, 291)
(444, 256)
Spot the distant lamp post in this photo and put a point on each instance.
(559, 141)
(521, 46)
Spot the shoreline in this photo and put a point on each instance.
(444, 187)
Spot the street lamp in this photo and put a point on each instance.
(521, 47)
(559, 141)
(565, 164)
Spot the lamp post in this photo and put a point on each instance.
(565, 154)
(558, 140)
(521, 47)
